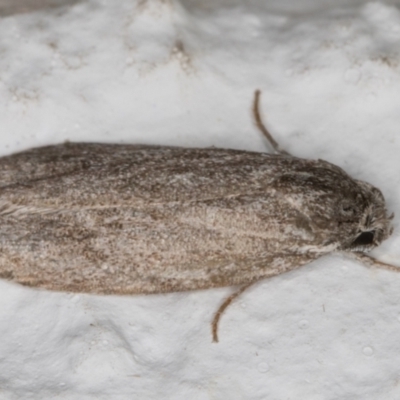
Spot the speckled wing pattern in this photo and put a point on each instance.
(125, 219)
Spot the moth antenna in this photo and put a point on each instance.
(261, 126)
(223, 307)
(373, 262)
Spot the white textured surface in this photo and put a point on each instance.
(163, 73)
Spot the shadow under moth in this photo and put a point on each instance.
(136, 219)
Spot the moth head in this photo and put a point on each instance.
(373, 224)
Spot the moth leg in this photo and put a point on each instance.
(262, 128)
(223, 307)
(371, 261)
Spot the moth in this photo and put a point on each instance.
(134, 219)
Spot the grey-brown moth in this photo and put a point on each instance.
(130, 219)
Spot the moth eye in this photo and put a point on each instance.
(364, 238)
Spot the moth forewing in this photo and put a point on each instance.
(119, 224)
